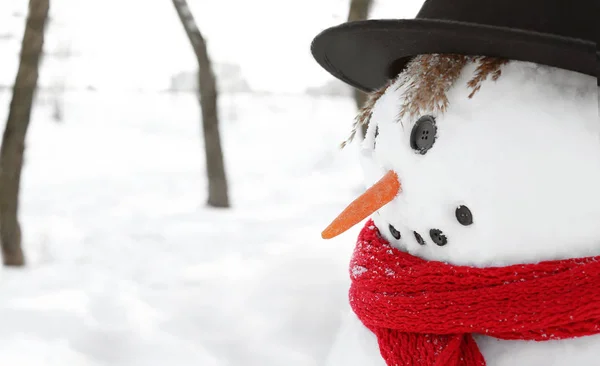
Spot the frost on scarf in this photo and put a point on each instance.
(425, 312)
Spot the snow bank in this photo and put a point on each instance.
(127, 266)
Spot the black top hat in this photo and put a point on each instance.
(559, 33)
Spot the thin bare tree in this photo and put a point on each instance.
(207, 85)
(13, 140)
(359, 10)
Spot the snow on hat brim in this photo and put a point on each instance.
(365, 54)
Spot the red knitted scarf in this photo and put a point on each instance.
(425, 312)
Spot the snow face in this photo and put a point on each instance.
(523, 155)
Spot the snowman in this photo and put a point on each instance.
(482, 165)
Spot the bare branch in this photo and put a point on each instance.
(215, 166)
(13, 140)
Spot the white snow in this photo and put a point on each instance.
(524, 156)
(355, 345)
(127, 266)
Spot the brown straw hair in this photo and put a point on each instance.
(427, 79)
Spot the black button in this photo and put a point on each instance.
(464, 215)
(395, 233)
(419, 238)
(423, 134)
(438, 237)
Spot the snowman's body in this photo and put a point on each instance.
(523, 154)
(357, 346)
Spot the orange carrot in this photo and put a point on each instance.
(372, 200)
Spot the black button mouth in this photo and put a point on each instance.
(438, 237)
(395, 233)
(419, 238)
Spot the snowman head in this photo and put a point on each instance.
(480, 161)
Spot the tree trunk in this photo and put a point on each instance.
(13, 141)
(215, 166)
(359, 10)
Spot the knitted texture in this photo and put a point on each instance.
(425, 312)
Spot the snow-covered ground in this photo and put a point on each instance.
(128, 267)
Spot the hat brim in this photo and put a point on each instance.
(366, 54)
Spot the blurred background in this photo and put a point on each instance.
(156, 219)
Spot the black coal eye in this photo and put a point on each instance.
(423, 134)
(464, 215)
(395, 233)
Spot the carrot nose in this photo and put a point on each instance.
(372, 200)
